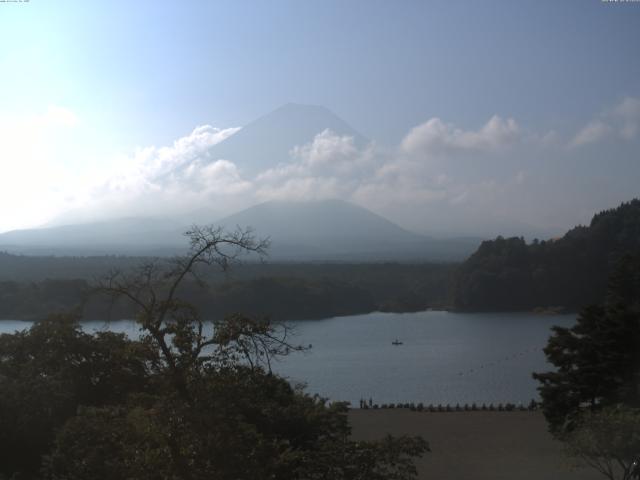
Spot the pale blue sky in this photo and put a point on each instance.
(141, 73)
(153, 69)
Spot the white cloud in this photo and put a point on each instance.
(332, 166)
(328, 166)
(153, 162)
(623, 121)
(549, 139)
(220, 177)
(628, 108)
(438, 173)
(327, 151)
(399, 182)
(38, 182)
(435, 136)
(594, 131)
(628, 111)
(166, 180)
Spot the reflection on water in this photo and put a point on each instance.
(444, 357)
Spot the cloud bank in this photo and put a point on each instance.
(166, 181)
(441, 178)
(620, 122)
(435, 136)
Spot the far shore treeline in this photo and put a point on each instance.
(560, 274)
(505, 274)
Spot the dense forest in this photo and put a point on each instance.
(505, 274)
(597, 360)
(175, 403)
(561, 274)
(591, 398)
(280, 291)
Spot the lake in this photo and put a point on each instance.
(444, 358)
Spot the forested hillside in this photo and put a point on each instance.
(565, 273)
(503, 274)
(281, 291)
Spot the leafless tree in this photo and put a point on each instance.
(176, 329)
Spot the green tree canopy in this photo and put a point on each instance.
(181, 402)
(608, 441)
(570, 272)
(598, 359)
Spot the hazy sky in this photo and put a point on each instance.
(520, 110)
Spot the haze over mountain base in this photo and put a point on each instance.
(324, 230)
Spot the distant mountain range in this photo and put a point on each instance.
(338, 230)
(274, 136)
(505, 274)
(123, 236)
(327, 230)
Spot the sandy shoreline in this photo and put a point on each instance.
(476, 445)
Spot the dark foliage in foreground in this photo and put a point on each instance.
(608, 441)
(190, 400)
(104, 407)
(48, 372)
(597, 360)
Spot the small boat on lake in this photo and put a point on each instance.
(396, 342)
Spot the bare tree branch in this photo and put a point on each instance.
(174, 326)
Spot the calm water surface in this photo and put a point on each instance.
(444, 357)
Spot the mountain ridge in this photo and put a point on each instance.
(320, 230)
(565, 273)
(276, 133)
(335, 229)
